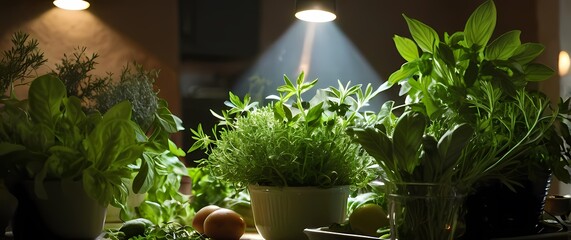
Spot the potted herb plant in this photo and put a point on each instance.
(288, 151)
(471, 121)
(59, 158)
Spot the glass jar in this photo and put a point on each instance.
(424, 211)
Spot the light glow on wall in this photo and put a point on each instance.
(564, 63)
(320, 50)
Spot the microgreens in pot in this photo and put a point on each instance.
(290, 141)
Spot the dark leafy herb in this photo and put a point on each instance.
(468, 114)
(75, 70)
(51, 135)
(19, 62)
(67, 144)
(136, 85)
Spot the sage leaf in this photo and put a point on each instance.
(422, 34)
(430, 159)
(377, 144)
(527, 52)
(45, 96)
(406, 71)
(504, 46)
(407, 139)
(144, 179)
(452, 143)
(120, 110)
(168, 121)
(480, 25)
(406, 48)
(535, 72)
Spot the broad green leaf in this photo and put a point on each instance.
(407, 139)
(45, 98)
(406, 71)
(235, 101)
(423, 35)
(455, 39)
(430, 161)
(377, 144)
(300, 78)
(386, 109)
(149, 208)
(144, 179)
(511, 64)
(73, 110)
(480, 26)
(406, 48)
(120, 110)
(425, 64)
(167, 120)
(6, 148)
(174, 149)
(406, 86)
(429, 104)
(306, 86)
(452, 143)
(504, 46)
(535, 72)
(107, 141)
(129, 156)
(527, 52)
(314, 114)
(279, 111)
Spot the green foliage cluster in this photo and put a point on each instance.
(53, 135)
(52, 138)
(469, 114)
(168, 231)
(136, 85)
(291, 141)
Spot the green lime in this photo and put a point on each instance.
(135, 227)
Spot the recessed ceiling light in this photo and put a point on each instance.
(71, 4)
(315, 10)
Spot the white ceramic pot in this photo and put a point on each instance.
(284, 212)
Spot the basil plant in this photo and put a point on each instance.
(468, 114)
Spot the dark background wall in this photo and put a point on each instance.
(150, 32)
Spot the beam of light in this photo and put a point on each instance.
(74, 5)
(321, 50)
(308, 41)
(564, 63)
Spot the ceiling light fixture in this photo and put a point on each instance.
(71, 4)
(315, 10)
